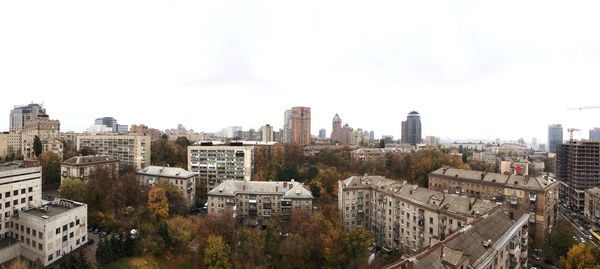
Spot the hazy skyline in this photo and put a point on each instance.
(483, 70)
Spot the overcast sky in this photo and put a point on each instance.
(478, 70)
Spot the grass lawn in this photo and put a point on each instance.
(151, 262)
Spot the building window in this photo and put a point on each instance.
(71, 235)
(64, 238)
(77, 222)
(57, 231)
(50, 257)
(30, 198)
(23, 200)
(28, 231)
(30, 189)
(16, 192)
(7, 194)
(22, 191)
(41, 235)
(430, 220)
(71, 224)
(64, 228)
(40, 246)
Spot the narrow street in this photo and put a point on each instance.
(580, 234)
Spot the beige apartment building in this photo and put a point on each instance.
(81, 167)
(53, 145)
(365, 154)
(592, 205)
(535, 196)
(300, 119)
(257, 201)
(215, 163)
(129, 149)
(42, 127)
(184, 180)
(493, 241)
(404, 216)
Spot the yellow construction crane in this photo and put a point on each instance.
(585, 107)
(571, 130)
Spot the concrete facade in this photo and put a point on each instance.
(404, 216)
(50, 231)
(592, 205)
(301, 126)
(491, 242)
(131, 150)
(216, 163)
(257, 201)
(41, 127)
(578, 169)
(535, 196)
(20, 189)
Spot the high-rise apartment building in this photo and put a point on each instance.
(411, 129)
(131, 150)
(266, 133)
(301, 126)
(404, 216)
(21, 114)
(216, 163)
(286, 137)
(577, 168)
(322, 134)
(555, 137)
(145, 130)
(336, 129)
(595, 134)
(536, 196)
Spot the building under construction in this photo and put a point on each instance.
(578, 169)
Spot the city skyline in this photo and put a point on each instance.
(173, 63)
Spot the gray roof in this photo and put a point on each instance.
(161, 171)
(88, 160)
(57, 207)
(594, 191)
(289, 189)
(452, 203)
(513, 181)
(465, 243)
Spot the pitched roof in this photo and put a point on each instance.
(469, 242)
(289, 189)
(161, 171)
(87, 160)
(513, 181)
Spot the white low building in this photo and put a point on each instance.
(51, 231)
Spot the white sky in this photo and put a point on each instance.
(473, 70)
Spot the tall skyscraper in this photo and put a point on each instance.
(301, 125)
(578, 167)
(372, 135)
(534, 143)
(595, 134)
(267, 133)
(20, 114)
(322, 134)
(555, 136)
(336, 129)
(411, 129)
(286, 136)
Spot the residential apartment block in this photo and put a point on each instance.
(131, 150)
(365, 154)
(256, 201)
(50, 231)
(32, 229)
(577, 169)
(216, 163)
(592, 205)
(81, 167)
(300, 126)
(20, 189)
(493, 241)
(184, 180)
(404, 216)
(42, 127)
(535, 196)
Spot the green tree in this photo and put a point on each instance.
(73, 189)
(163, 231)
(37, 146)
(86, 151)
(381, 143)
(215, 253)
(181, 231)
(50, 167)
(561, 240)
(75, 261)
(158, 203)
(183, 141)
(315, 188)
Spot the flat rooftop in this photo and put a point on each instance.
(52, 209)
(7, 242)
